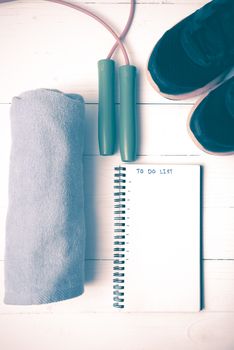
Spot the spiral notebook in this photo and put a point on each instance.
(156, 262)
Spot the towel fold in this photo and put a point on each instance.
(45, 228)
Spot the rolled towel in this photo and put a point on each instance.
(45, 228)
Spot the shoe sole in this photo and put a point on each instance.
(191, 134)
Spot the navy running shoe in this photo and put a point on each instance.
(195, 54)
(211, 122)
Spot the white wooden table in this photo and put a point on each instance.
(51, 46)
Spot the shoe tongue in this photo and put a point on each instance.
(229, 99)
(209, 38)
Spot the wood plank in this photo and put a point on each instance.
(27, 4)
(218, 229)
(162, 131)
(219, 285)
(100, 331)
(218, 290)
(59, 55)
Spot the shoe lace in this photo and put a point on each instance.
(213, 35)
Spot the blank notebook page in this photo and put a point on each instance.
(162, 238)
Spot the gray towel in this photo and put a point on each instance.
(45, 229)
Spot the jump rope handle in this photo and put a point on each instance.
(127, 122)
(106, 110)
(106, 107)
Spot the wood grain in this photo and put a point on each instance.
(47, 45)
(67, 59)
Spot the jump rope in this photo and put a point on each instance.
(106, 86)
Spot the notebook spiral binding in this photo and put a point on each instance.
(119, 236)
